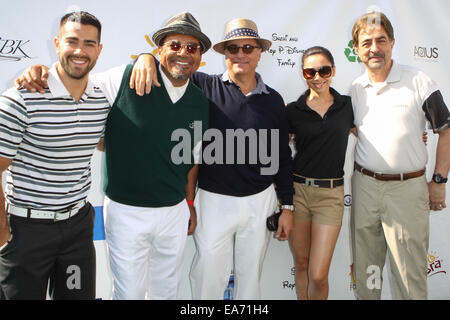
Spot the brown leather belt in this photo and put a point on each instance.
(389, 177)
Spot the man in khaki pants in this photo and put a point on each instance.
(391, 197)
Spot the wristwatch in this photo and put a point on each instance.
(438, 178)
(288, 207)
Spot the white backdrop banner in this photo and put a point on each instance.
(27, 29)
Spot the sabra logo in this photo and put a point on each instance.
(350, 53)
(155, 50)
(13, 50)
(434, 265)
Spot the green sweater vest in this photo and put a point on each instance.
(139, 170)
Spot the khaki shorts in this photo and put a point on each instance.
(319, 205)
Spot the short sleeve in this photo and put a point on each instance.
(109, 82)
(13, 122)
(436, 111)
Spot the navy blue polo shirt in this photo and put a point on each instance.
(321, 143)
(231, 109)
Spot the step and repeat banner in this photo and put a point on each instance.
(27, 29)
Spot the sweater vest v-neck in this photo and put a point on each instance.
(139, 169)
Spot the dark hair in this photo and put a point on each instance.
(318, 50)
(82, 17)
(372, 18)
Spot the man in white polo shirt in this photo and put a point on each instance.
(47, 141)
(391, 197)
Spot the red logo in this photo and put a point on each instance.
(434, 265)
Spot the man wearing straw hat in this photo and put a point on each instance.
(234, 200)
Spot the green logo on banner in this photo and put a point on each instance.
(350, 53)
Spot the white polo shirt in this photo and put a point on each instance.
(391, 116)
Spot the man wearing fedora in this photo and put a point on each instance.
(234, 200)
(148, 205)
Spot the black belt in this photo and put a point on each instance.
(321, 183)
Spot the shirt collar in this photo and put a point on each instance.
(260, 85)
(57, 87)
(338, 99)
(393, 76)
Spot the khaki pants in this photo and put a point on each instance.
(390, 216)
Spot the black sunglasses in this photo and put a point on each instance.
(246, 48)
(190, 47)
(324, 72)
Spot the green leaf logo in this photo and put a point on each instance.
(350, 53)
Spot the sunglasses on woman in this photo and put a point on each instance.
(190, 47)
(246, 48)
(324, 72)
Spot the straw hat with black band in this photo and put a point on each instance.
(241, 28)
(183, 23)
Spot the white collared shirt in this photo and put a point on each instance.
(58, 89)
(110, 80)
(390, 120)
(175, 93)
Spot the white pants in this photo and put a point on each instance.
(230, 227)
(146, 249)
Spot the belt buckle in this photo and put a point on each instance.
(63, 211)
(369, 173)
(310, 182)
(57, 213)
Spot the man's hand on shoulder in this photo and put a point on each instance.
(144, 75)
(34, 78)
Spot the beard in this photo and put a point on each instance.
(179, 75)
(178, 72)
(76, 72)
